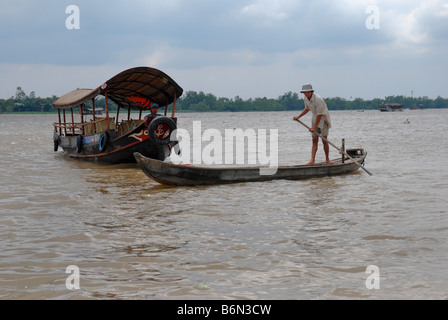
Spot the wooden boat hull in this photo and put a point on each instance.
(115, 149)
(189, 175)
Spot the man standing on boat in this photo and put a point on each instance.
(320, 122)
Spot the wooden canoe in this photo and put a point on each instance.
(189, 175)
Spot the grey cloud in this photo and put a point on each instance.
(314, 38)
(110, 28)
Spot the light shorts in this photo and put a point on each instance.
(324, 131)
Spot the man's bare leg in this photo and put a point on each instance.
(327, 150)
(314, 150)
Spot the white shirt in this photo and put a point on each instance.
(318, 106)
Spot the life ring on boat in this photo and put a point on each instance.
(160, 129)
(103, 142)
(78, 144)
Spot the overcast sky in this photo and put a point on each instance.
(253, 48)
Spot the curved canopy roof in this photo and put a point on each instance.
(135, 88)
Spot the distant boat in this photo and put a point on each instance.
(89, 111)
(420, 107)
(390, 107)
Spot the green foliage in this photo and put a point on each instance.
(192, 101)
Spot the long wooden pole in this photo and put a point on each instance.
(82, 118)
(65, 122)
(107, 111)
(174, 106)
(73, 122)
(93, 108)
(340, 150)
(118, 114)
(60, 123)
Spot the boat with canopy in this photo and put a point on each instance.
(109, 139)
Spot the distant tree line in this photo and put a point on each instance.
(22, 102)
(202, 102)
(192, 101)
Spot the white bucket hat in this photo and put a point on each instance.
(307, 88)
